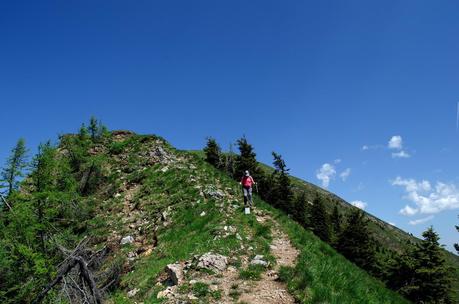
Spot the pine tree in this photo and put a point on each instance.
(319, 220)
(401, 272)
(213, 152)
(83, 133)
(93, 127)
(230, 160)
(15, 165)
(44, 166)
(336, 224)
(281, 195)
(96, 129)
(456, 246)
(246, 160)
(431, 273)
(355, 242)
(299, 208)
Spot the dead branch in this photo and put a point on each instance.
(74, 258)
(5, 201)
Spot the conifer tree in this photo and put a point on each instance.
(83, 133)
(281, 195)
(319, 220)
(432, 275)
(336, 223)
(96, 129)
(299, 208)
(213, 152)
(400, 273)
(93, 127)
(456, 246)
(246, 160)
(230, 160)
(15, 165)
(43, 181)
(355, 242)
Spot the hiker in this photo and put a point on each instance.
(247, 181)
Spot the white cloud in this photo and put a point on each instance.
(337, 161)
(407, 210)
(428, 199)
(401, 154)
(393, 224)
(345, 174)
(326, 173)
(421, 220)
(372, 147)
(359, 204)
(395, 142)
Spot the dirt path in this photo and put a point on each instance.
(268, 290)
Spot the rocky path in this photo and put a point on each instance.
(232, 288)
(268, 290)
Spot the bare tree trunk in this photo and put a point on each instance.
(73, 259)
(5, 201)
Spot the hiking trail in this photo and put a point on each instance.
(267, 290)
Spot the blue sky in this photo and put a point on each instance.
(313, 80)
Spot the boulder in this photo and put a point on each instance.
(214, 193)
(166, 293)
(133, 292)
(127, 240)
(211, 261)
(175, 273)
(258, 260)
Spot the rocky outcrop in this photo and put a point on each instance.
(175, 273)
(211, 261)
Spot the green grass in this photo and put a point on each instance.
(321, 275)
(252, 272)
(324, 276)
(189, 233)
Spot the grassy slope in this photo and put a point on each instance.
(321, 274)
(388, 235)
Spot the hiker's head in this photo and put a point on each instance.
(246, 173)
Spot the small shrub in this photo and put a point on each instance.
(253, 272)
(200, 289)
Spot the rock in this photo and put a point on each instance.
(258, 260)
(133, 292)
(238, 237)
(147, 252)
(166, 293)
(214, 193)
(203, 213)
(117, 195)
(273, 274)
(175, 273)
(232, 269)
(192, 297)
(192, 282)
(213, 287)
(127, 240)
(216, 262)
